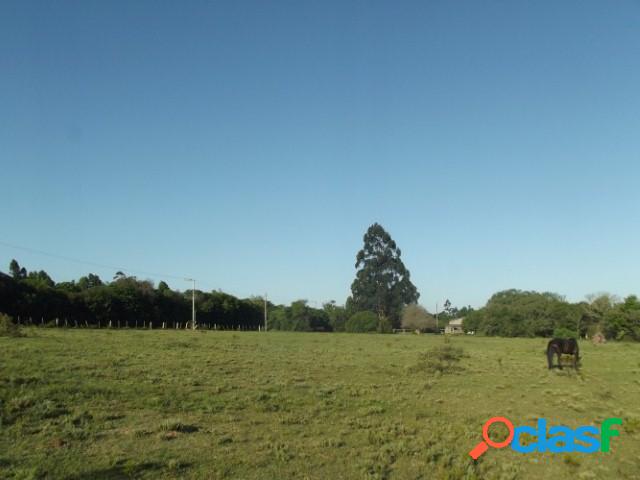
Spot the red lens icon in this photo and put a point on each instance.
(482, 447)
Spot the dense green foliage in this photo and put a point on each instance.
(337, 316)
(517, 313)
(622, 322)
(362, 322)
(383, 284)
(299, 317)
(125, 302)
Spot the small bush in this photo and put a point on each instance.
(563, 332)
(441, 359)
(8, 328)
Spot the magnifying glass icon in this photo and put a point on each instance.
(482, 447)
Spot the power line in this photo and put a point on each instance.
(94, 264)
(116, 268)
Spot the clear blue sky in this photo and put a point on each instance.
(250, 145)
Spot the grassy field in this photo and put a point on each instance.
(164, 404)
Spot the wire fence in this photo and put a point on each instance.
(137, 325)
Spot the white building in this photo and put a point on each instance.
(454, 326)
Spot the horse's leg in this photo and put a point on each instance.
(575, 360)
(559, 359)
(550, 358)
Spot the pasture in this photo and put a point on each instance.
(80, 404)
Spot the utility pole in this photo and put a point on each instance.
(265, 312)
(437, 329)
(193, 302)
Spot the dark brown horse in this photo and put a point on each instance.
(563, 346)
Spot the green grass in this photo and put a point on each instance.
(164, 404)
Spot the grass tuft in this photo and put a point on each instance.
(441, 359)
(8, 328)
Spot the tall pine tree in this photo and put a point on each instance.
(383, 284)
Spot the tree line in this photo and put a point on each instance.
(381, 290)
(517, 313)
(382, 299)
(33, 297)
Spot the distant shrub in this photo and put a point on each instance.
(563, 332)
(622, 322)
(384, 325)
(362, 322)
(416, 317)
(441, 359)
(8, 328)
